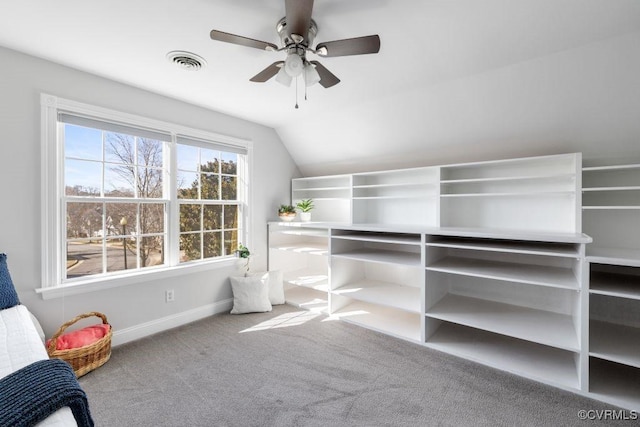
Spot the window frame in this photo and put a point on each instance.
(53, 209)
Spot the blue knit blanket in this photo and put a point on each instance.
(31, 394)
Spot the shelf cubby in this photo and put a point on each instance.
(301, 253)
(529, 324)
(615, 342)
(510, 261)
(389, 248)
(391, 321)
(615, 383)
(306, 298)
(539, 362)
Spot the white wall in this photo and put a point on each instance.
(585, 100)
(22, 79)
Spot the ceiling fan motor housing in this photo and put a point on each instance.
(287, 39)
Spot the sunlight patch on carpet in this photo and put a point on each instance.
(286, 320)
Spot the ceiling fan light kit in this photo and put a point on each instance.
(297, 32)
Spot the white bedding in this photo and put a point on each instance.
(20, 345)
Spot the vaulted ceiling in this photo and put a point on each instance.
(444, 82)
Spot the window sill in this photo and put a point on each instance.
(104, 283)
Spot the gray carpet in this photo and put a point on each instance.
(298, 368)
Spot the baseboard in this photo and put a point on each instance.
(153, 327)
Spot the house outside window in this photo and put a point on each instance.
(130, 195)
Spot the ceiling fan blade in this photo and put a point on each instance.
(355, 46)
(327, 78)
(267, 73)
(298, 16)
(243, 41)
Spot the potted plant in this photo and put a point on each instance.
(243, 252)
(305, 206)
(286, 213)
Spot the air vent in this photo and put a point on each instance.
(186, 60)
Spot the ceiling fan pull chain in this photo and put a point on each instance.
(296, 92)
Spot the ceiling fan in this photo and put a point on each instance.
(297, 32)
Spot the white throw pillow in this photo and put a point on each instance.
(250, 295)
(276, 285)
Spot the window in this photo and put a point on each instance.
(134, 195)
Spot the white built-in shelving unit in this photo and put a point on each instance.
(301, 253)
(539, 193)
(376, 280)
(331, 196)
(513, 296)
(408, 196)
(485, 261)
(611, 215)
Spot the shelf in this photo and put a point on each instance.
(306, 298)
(303, 232)
(400, 184)
(615, 285)
(382, 319)
(614, 383)
(539, 326)
(535, 248)
(388, 294)
(321, 189)
(556, 277)
(613, 256)
(423, 196)
(513, 194)
(610, 168)
(311, 248)
(609, 208)
(381, 238)
(538, 362)
(617, 343)
(627, 188)
(308, 279)
(508, 178)
(375, 255)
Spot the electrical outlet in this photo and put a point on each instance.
(169, 295)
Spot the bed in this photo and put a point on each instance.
(21, 345)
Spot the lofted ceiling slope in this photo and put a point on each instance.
(454, 79)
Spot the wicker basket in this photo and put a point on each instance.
(84, 359)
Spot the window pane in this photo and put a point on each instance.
(190, 218)
(82, 178)
(188, 185)
(82, 143)
(212, 244)
(212, 217)
(121, 254)
(119, 148)
(230, 163)
(209, 160)
(149, 183)
(229, 188)
(231, 216)
(151, 218)
(187, 158)
(84, 258)
(210, 187)
(84, 220)
(118, 181)
(116, 214)
(230, 242)
(189, 247)
(151, 251)
(150, 152)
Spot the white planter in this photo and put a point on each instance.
(305, 216)
(287, 218)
